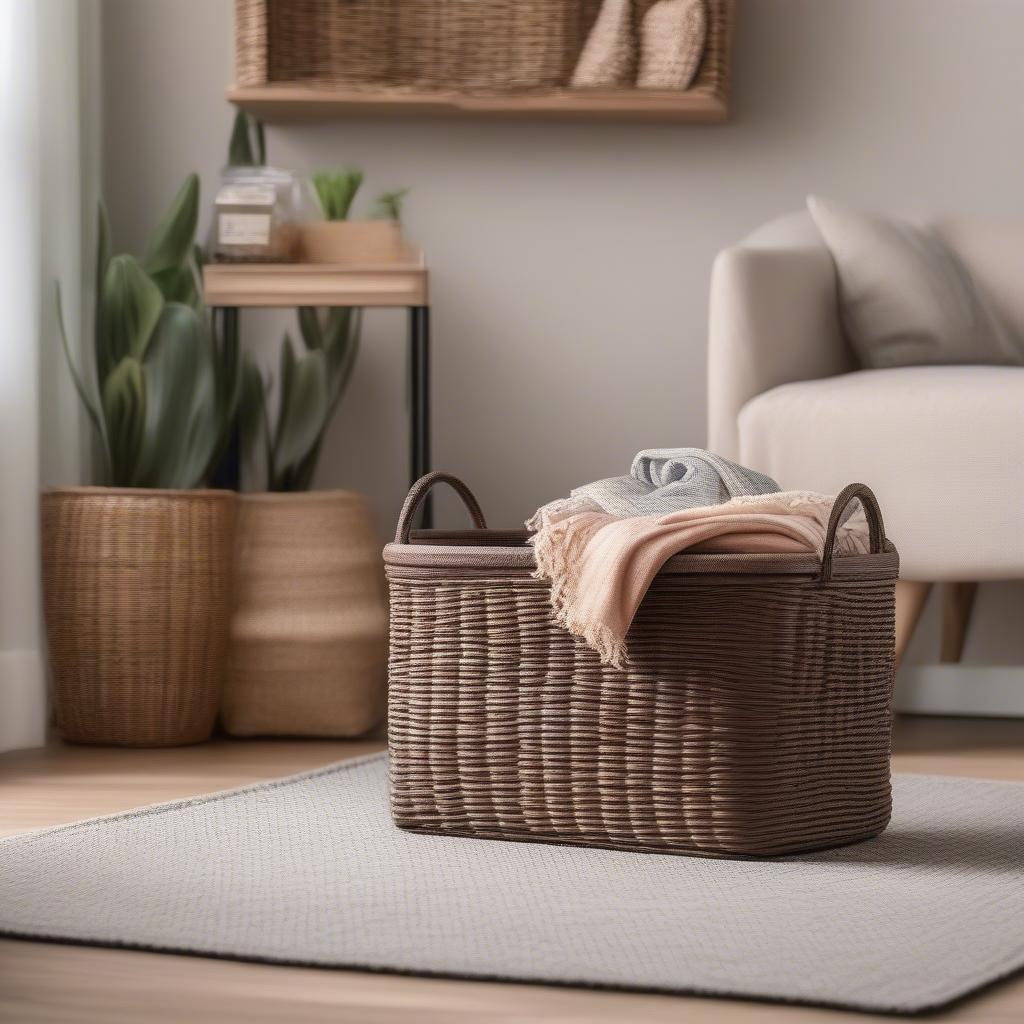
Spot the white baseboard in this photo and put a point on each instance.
(22, 700)
(993, 691)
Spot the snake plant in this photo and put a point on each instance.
(165, 391)
(310, 385)
(247, 146)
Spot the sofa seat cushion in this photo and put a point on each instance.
(941, 446)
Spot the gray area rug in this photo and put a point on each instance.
(309, 870)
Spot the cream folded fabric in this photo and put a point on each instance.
(600, 565)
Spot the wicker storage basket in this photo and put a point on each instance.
(309, 632)
(465, 44)
(754, 720)
(137, 589)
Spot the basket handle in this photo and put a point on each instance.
(418, 492)
(873, 514)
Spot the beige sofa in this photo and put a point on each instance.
(942, 446)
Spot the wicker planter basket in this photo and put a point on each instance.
(309, 632)
(465, 44)
(137, 589)
(755, 719)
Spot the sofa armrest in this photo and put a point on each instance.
(773, 320)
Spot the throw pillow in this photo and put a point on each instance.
(672, 38)
(904, 297)
(610, 52)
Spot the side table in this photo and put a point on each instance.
(229, 287)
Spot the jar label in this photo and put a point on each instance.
(244, 229)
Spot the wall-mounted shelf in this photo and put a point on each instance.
(320, 59)
(288, 102)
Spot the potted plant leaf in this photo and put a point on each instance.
(137, 572)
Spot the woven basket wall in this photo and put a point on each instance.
(486, 45)
(309, 632)
(755, 718)
(137, 592)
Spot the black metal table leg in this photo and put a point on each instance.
(419, 402)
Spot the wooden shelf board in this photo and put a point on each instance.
(286, 102)
(286, 285)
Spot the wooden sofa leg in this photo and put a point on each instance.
(910, 598)
(957, 604)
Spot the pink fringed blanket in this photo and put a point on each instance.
(600, 565)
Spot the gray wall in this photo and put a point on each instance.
(571, 262)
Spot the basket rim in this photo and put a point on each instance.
(486, 555)
(137, 492)
(301, 497)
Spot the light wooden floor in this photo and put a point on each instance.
(41, 982)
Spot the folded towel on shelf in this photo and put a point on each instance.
(600, 563)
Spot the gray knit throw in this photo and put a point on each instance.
(664, 480)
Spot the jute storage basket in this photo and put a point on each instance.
(309, 631)
(754, 719)
(137, 591)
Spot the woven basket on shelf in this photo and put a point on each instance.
(137, 590)
(489, 45)
(754, 719)
(492, 44)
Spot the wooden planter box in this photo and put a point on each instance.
(366, 242)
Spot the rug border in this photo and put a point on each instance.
(346, 764)
(943, 1003)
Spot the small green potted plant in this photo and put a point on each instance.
(336, 239)
(137, 572)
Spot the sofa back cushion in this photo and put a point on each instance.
(906, 298)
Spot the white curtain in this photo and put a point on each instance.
(47, 162)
